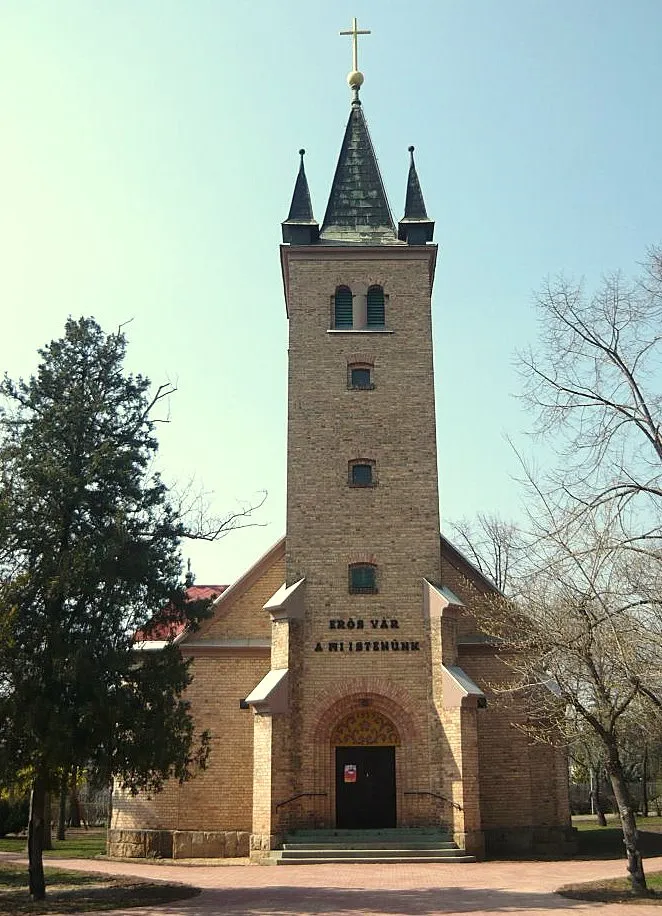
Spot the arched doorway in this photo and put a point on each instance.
(364, 744)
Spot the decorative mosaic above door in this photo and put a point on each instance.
(365, 727)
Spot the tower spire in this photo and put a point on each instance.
(415, 227)
(300, 227)
(357, 212)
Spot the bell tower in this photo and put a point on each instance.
(350, 710)
(362, 496)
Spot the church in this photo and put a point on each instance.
(342, 677)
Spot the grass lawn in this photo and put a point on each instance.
(584, 822)
(607, 842)
(615, 890)
(79, 844)
(76, 892)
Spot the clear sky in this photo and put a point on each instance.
(148, 156)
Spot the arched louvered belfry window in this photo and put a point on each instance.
(375, 307)
(343, 308)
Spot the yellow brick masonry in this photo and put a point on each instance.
(395, 524)
(220, 797)
(466, 767)
(523, 790)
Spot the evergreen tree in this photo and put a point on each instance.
(89, 554)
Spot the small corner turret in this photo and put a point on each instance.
(415, 228)
(301, 227)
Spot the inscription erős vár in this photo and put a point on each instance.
(367, 645)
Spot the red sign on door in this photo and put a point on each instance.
(350, 772)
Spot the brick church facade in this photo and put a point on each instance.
(342, 677)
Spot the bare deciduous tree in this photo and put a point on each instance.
(595, 380)
(582, 640)
(581, 644)
(493, 545)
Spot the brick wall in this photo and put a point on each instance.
(394, 524)
(472, 757)
(220, 797)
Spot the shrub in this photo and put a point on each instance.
(13, 815)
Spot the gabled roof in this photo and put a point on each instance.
(458, 559)
(166, 629)
(358, 211)
(242, 584)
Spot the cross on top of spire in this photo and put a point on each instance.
(355, 78)
(355, 32)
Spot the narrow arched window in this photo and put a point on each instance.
(343, 308)
(362, 578)
(375, 304)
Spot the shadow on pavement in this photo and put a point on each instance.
(297, 901)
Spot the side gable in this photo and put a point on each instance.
(238, 612)
(471, 585)
(162, 628)
(452, 557)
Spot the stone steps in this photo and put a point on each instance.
(375, 844)
(385, 833)
(377, 860)
(394, 845)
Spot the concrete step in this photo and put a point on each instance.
(378, 860)
(382, 832)
(389, 844)
(367, 853)
(373, 844)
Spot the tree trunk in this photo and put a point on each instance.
(110, 817)
(62, 810)
(628, 823)
(74, 806)
(48, 833)
(644, 782)
(597, 803)
(36, 839)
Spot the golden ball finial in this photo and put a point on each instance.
(355, 79)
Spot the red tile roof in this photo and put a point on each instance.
(169, 629)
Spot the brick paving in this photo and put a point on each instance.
(524, 888)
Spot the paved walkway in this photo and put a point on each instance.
(523, 888)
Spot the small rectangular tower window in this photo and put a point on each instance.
(361, 473)
(360, 377)
(363, 579)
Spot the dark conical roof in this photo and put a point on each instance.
(357, 211)
(415, 227)
(414, 203)
(300, 227)
(301, 208)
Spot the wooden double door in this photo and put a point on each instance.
(365, 787)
